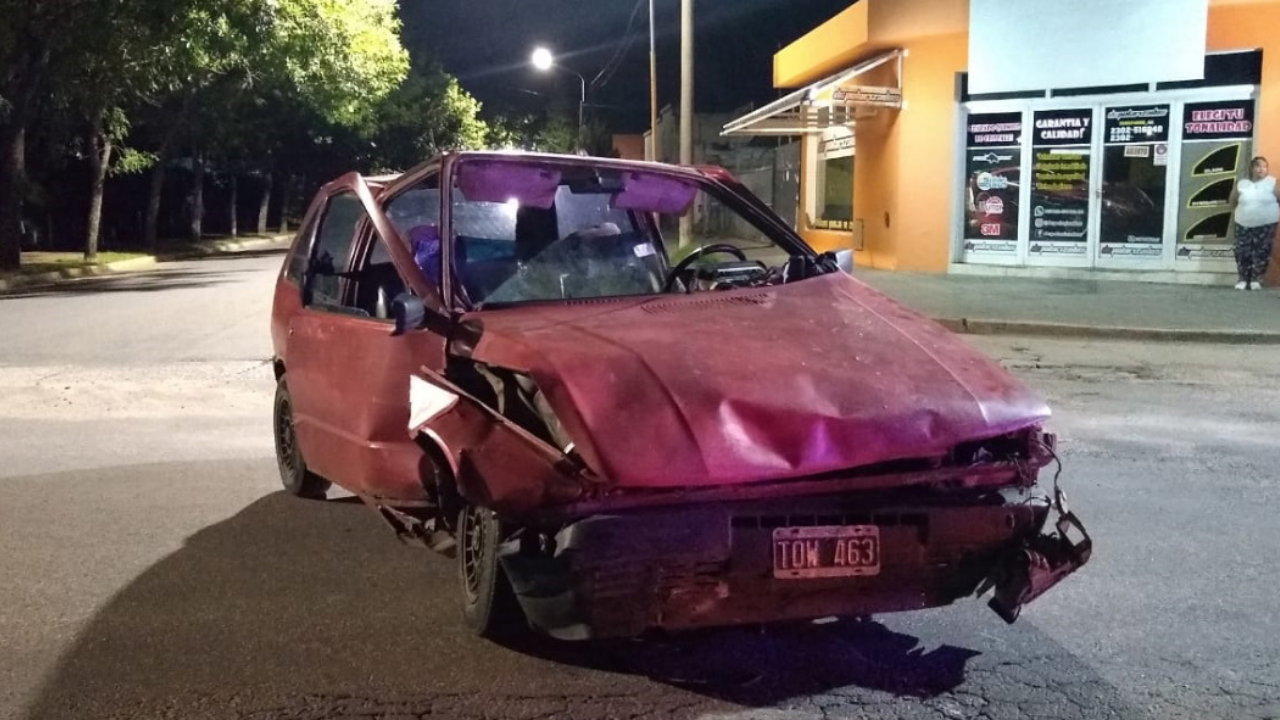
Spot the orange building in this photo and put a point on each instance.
(629, 147)
(1058, 153)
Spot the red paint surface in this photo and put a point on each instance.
(754, 385)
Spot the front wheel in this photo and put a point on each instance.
(488, 603)
(295, 476)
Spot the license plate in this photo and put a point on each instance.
(826, 552)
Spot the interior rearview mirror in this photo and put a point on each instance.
(408, 312)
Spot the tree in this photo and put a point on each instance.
(427, 114)
(333, 58)
(553, 132)
(117, 71)
(38, 39)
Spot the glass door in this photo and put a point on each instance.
(1132, 228)
(1062, 171)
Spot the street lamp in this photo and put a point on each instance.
(544, 61)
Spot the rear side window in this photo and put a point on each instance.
(297, 263)
(333, 245)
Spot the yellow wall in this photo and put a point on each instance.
(831, 46)
(1246, 25)
(903, 171)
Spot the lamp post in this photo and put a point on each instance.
(544, 61)
(653, 88)
(686, 104)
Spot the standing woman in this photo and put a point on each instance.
(1256, 203)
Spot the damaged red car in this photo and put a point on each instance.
(627, 397)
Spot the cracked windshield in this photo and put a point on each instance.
(536, 232)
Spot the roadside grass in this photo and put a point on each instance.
(37, 262)
(34, 263)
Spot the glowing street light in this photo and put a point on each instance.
(544, 61)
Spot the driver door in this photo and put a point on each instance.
(348, 375)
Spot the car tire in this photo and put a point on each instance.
(295, 476)
(489, 605)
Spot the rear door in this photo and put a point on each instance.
(348, 375)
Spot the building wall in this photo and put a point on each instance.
(1246, 25)
(707, 140)
(904, 173)
(629, 147)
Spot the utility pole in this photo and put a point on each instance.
(653, 86)
(686, 103)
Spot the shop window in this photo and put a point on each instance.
(1217, 140)
(992, 184)
(830, 193)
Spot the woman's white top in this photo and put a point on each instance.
(1258, 205)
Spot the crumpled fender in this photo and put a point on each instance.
(495, 463)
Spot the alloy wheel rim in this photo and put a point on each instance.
(472, 541)
(284, 436)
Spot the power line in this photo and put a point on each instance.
(611, 68)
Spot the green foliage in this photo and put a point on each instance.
(341, 56)
(557, 135)
(550, 133)
(428, 114)
(277, 88)
(130, 161)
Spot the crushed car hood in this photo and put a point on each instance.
(753, 385)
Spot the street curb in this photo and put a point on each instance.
(213, 248)
(225, 247)
(975, 326)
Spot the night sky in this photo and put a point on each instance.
(487, 43)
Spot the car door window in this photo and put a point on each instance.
(416, 214)
(376, 282)
(331, 254)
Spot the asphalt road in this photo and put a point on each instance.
(150, 568)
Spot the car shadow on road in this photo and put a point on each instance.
(302, 609)
(765, 666)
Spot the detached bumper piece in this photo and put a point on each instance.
(1045, 560)
(714, 565)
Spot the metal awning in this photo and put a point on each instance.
(831, 102)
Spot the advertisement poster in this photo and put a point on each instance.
(1134, 177)
(993, 174)
(1060, 198)
(1217, 142)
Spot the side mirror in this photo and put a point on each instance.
(408, 312)
(844, 261)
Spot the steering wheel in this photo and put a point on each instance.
(693, 257)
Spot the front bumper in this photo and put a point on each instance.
(617, 575)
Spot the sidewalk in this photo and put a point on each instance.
(24, 281)
(1086, 308)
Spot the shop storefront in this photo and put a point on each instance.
(1120, 181)
(1130, 177)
